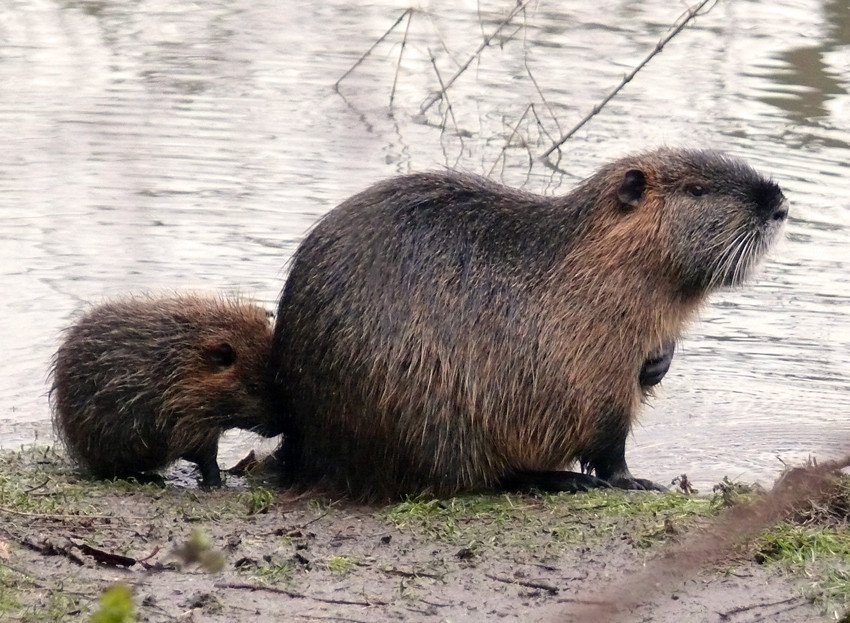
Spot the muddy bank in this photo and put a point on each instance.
(246, 552)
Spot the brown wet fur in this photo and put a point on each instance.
(440, 332)
(141, 382)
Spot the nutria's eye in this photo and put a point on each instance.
(696, 190)
(221, 356)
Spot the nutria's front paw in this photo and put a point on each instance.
(553, 481)
(211, 478)
(657, 364)
(639, 484)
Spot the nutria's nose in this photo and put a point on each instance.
(770, 202)
(781, 212)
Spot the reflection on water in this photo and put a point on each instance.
(807, 78)
(167, 144)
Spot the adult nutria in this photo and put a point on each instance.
(442, 332)
(141, 382)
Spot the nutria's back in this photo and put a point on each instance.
(142, 381)
(440, 331)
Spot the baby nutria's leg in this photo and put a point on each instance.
(206, 457)
(657, 365)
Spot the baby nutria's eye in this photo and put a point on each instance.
(696, 190)
(221, 356)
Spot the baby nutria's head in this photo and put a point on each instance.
(228, 345)
(708, 216)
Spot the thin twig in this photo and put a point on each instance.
(438, 96)
(543, 99)
(31, 489)
(441, 38)
(374, 45)
(336, 618)
(5, 509)
(552, 590)
(296, 594)
(400, 53)
(449, 109)
(413, 574)
(688, 15)
(725, 615)
(510, 138)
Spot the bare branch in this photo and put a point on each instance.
(510, 138)
(438, 96)
(400, 53)
(688, 15)
(449, 108)
(374, 45)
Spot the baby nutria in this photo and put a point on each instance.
(141, 382)
(440, 332)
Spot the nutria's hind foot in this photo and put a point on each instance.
(211, 480)
(208, 466)
(553, 481)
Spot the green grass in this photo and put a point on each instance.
(275, 572)
(41, 481)
(821, 554)
(10, 601)
(341, 565)
(257, 500)
(813, 544)
(522, 519)
(115, 606)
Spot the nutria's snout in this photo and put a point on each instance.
(770, 202)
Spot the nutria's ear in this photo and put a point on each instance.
(631, 189)
(221, 356)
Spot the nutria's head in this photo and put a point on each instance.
(227, 372)
(710, 216)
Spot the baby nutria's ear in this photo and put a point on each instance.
(631, 189)
(221, 356)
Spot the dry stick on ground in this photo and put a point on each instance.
(724, 616)
(374, 45)
(336, 619)
(68, 517)
(688, 15)
(552, 590)
(719, 539)
(443, 88)
(297, 595)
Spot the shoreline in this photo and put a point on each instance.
(250, 551)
